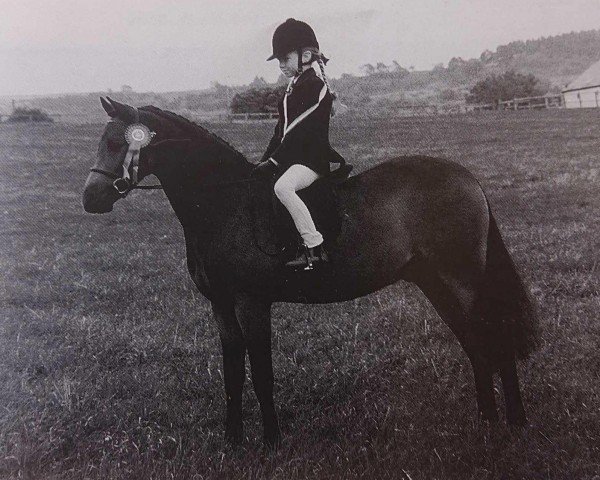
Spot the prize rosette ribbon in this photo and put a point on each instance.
(138, 136)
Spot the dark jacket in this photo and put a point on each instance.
(308, 142)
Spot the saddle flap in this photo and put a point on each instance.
(321, 199)
(274, 231)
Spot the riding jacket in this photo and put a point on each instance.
(307, 141)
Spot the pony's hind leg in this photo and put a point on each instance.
(454, 303)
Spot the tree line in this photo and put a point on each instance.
(492, 89)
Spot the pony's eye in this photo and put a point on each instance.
(113, 146)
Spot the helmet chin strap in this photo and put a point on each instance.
(302, 64)
(299, 52)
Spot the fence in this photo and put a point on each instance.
(27, 118)
(525, 103)
(99, 118)
(232, 117)
(96, 115)
(252, 116)
(419, 110)
(75, 118)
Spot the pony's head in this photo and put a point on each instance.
(123, 157)
(138, 142)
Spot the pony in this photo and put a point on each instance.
(419, 219)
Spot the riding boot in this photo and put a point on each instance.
(309, 256)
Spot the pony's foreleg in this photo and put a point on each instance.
(234, 371)
(254, 315)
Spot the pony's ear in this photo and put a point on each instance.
(108, 108)
(122, 111)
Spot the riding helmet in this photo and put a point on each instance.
(292, 35)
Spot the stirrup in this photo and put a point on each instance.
(302, 260)
(309, 263)
(307, 259)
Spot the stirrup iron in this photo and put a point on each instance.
(309, 263)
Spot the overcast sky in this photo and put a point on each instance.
(53, 46)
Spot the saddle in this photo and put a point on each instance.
(274, 229)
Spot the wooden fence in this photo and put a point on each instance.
(197, 117)
(525, 103)
(231, 117)
(76, 118)
(253, 116)
(408, 110)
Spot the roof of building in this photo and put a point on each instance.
(589, 78)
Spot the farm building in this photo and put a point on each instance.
(584, 91)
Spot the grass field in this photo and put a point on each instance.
(110, 365)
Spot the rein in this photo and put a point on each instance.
(118, 185)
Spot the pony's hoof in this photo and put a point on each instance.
(272, 441)
(518, 424)
(488, 417)
(234, 436)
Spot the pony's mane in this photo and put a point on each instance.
(192, 128)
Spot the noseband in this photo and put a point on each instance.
(137, 136)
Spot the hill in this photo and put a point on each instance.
(554, 60)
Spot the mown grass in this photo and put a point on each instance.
(111, 367)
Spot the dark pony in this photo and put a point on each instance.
(420, 219)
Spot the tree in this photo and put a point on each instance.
(29, 115)
(455, 63)
(367, 69)
(472, 67)
(382, 68)
(258, 82)
(507, 86)
(449, 95)
(438, 68)
(486, 56)
(257, 100)
(282, 80)
(219, 87)
(399, 69)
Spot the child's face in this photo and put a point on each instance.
(289, 64)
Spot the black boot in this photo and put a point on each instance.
(308, 257)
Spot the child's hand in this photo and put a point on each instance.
(264, 169)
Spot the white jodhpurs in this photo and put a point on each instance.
(296, 178)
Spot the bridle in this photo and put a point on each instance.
(137, 136)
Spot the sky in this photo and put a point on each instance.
(59, 46)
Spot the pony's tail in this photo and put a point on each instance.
(506, 301)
